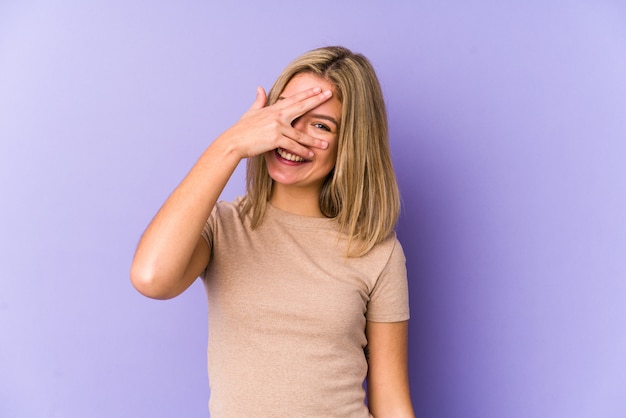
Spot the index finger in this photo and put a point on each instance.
(298, 104)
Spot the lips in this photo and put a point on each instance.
(289, 156)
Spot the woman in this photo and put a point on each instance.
(305, 278)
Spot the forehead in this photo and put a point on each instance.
(304, 81)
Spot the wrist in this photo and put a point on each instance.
(224, 149)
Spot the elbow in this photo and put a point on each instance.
(149, 284)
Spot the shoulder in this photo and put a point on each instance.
(225, 215)
(387, 251)
(385, 259)
(228, 211)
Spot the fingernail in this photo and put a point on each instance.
(317, 89)
(327, 93)
(311, 153)
(324, 144)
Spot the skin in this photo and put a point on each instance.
(387, 377)
(171, 254)
(297, 185)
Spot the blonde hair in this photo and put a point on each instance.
(361, 192)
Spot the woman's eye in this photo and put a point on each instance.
(321, 126)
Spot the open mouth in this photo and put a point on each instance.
(289, 156)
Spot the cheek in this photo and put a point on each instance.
(272, 167)
(269, 161)
(332, 156)
(328, 164)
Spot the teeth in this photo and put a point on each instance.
(289, 156)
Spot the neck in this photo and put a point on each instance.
(299, 201)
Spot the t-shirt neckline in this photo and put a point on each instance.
(282, 216)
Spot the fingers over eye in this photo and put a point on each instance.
(302, 102)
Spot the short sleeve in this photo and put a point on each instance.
(208, 231)
(389, 299)
(209, 228)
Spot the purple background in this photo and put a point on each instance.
(509, 138)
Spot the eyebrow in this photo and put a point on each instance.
(325, 117)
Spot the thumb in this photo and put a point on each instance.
(261, 98)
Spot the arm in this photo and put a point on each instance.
(171, 254)
(387, 377)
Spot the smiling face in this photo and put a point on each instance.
(322, 122)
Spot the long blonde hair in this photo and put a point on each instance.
(361, 192)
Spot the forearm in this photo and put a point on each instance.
(163, 257)
(169, 255)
